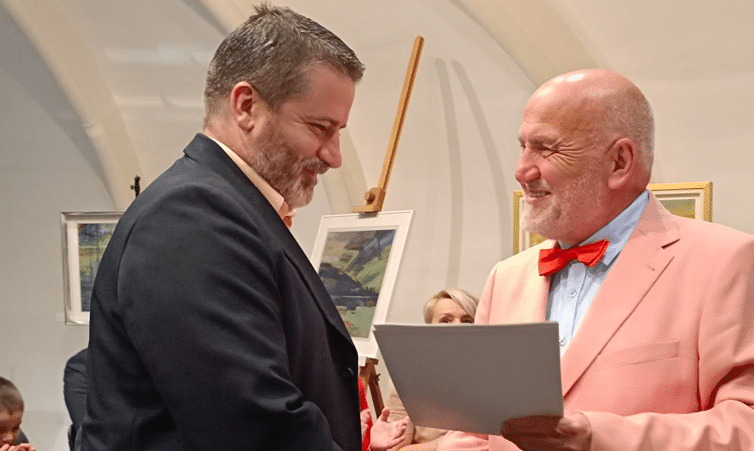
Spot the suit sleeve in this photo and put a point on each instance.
(75, 385)
(726, 373)
(198, 288)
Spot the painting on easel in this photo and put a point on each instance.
(357, 258)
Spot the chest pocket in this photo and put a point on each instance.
(638, 354)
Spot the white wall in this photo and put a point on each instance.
(454, 168)
(41, 175)
(704, 132)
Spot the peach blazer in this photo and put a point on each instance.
(664, 358)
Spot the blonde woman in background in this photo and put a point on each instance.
(452, 306)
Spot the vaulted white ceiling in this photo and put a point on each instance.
(124, 79)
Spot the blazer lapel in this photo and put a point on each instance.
(207, 152)
(535, 287)
(314, 283)
(637, 268)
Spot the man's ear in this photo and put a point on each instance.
(623, 163)
(244, 100)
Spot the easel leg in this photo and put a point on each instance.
(368, 374)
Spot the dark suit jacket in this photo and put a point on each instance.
(210, 329)
(75, 386)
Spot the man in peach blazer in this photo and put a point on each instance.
(662, 357)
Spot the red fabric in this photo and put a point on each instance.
(364, 405)
(555, 259)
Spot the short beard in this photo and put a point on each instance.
(287, 173)
(545, 222)
(559, 219)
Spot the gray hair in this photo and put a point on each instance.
(272, 51)
(628, 113)
(463, 298)
(10, 397)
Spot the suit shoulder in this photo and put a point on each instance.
(523, 259)
(712, 234)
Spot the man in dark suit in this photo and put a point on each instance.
(75, 384)
(210, 329)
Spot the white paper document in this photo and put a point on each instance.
(473, 377)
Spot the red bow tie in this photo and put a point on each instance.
(555, 259)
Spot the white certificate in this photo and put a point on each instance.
(473, 377)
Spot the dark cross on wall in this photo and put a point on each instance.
(136, 186)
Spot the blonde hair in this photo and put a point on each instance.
(463, 298)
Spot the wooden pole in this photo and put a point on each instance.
(368, 373)
(376, 196)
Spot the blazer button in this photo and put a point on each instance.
(348, 373)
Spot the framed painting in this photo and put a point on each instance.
(85, 237)
(690, 200)
(687, 199)
(357, 257)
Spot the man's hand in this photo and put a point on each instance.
(572, 432)
(385, 435)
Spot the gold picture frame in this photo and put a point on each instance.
(687, 199)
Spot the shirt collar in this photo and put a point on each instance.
(273, 197)
(620, 228)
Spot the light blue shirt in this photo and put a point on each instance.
(574, 287)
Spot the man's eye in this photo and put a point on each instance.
(546, 151)
(323, 129)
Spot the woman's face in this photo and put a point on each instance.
(446, 311)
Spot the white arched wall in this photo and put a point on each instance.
(42, 173)
(454, 165)
(70, 60)
(64, 149)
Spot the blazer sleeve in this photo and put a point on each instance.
(726, 372)
(75, 384)
(198, 290)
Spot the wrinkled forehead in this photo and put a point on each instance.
(562, 108)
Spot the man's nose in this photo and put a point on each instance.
(330, 152)
(526, 170)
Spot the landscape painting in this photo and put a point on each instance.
(357, 258)
(352, 269)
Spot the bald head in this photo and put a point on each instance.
(604, 105)
(584, 135)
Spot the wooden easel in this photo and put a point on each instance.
(376, 196)
(371, 379)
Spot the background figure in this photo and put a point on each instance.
(209, 326)
(11, 415)
(453, 306)
(655, 311)
(75, 385)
